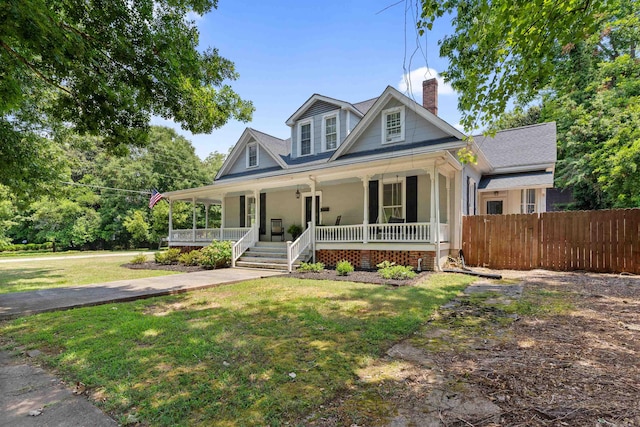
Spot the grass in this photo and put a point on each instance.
(227, 356)
(39, 254)
(35, 275)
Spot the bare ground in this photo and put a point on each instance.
(538, 349)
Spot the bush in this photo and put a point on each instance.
(385, 264)
(216, 255)
(311, 267)
(190, 258)
(139, 259)
(397, 272)
(27, 247)
(170, 256)
(344, 268)
(295, 230)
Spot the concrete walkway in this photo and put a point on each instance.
(24, 303)
(53, 257)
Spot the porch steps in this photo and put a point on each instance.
(268, 255)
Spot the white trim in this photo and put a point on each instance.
(247, 149)
(384, 115)
(336, 115)
(237, 151)
(299, 139)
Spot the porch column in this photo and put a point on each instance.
(193, 232)
(222, 217)
(170, 221)
(256, 218)
(436, 175)
(313, 217)
(365, 210)
(448, 201)
(456, 237)
(432, 204)
(206, 215)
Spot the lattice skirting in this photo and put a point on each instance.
(368, 259)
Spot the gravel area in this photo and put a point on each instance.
(152, 265)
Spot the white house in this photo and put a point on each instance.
(386, 180)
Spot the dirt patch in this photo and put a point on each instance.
(152, 265)
(360, 277)
(539, 349)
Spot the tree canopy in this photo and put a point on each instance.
(503, 51)
(103, 68)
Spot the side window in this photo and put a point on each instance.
(528, 201)
(330, 129)
(393, 125)
(252, 155)
(305, 138)
(494, 207)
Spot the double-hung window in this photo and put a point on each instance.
(392, 200)
(305, 138)
(252, 155)
(528, 201)
(330, 126)
(393, 125)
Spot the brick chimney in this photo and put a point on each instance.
(430, 95)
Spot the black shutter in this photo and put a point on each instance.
(373, 202)
(243, 217)
(412, 199)
(263, 213)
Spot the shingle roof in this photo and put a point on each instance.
(516, 180)
(528, 145)
(279, 147)
(364, 106)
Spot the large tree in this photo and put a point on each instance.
(503, 51)
(104, 68)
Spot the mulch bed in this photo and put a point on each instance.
(360, 277)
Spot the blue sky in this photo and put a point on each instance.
(285, 51)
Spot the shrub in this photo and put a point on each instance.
(26, 247)
(311, 267)
(397, 272)
(344, 268)
(295, 230)
(170, 256)
(385, 264)
(216, 255)
(190, 258)
(139, 259)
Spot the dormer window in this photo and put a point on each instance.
(393, 125)
(305, 138)
(252, 155)
(330, 131)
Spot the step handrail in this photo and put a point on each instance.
(294, 249)
(245, 242)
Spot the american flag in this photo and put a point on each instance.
(155, 198)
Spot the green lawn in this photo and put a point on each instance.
(39, 254)
(34, 275)
(263, 352)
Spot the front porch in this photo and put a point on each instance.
(381, 207)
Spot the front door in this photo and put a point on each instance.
(307, 210)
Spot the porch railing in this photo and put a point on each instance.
(294, 249)
(382, 233)
(244, 243)
(209, 234)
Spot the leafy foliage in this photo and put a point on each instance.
(170, 256)
(343, 268)
(138, 259)
(216, 255)
(503, 51)
(103, 68)
(397, 272)
(190, 258)
(311, 267)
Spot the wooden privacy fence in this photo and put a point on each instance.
(600, 241)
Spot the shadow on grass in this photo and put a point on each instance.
(27, 279)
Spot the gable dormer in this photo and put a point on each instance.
(254, 153)
(320, 125)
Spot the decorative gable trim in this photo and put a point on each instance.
(240, 149)
(376, 110)
(291, 121)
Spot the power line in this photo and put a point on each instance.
(105, 188)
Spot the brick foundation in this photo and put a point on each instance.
(368, 259)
